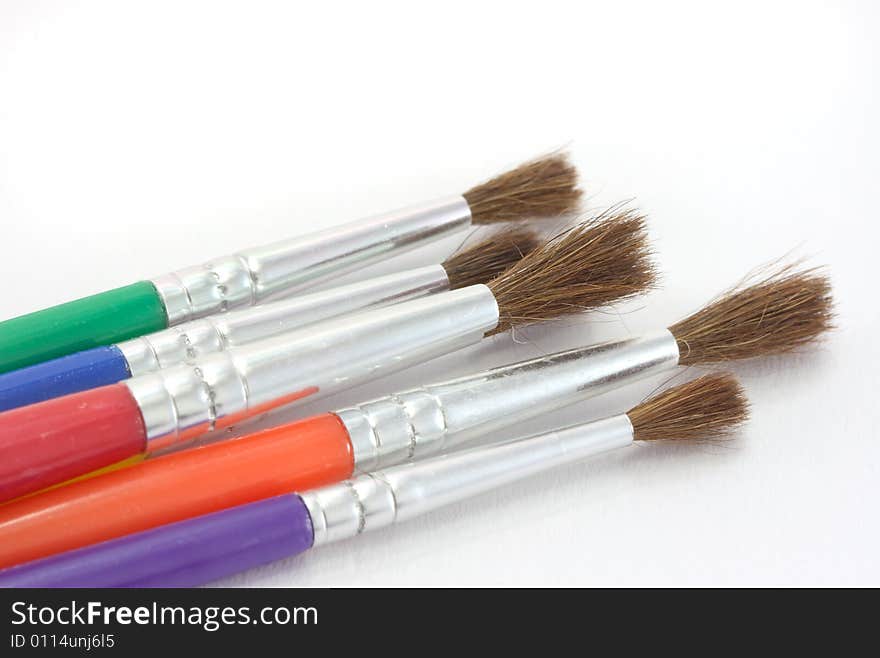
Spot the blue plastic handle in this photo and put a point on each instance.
(68, 374)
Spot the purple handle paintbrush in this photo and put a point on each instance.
(214, 545)
(181, 554)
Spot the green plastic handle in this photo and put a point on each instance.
(102, 319)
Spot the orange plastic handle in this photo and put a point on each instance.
(294, 457)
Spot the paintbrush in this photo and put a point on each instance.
(777, 314)
(545, 187)
(592, 265)
(208, 547)
(192, 340)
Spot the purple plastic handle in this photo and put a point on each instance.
(182, 554)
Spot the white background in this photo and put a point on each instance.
(140, 137)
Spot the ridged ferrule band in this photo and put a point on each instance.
(221, 389)
(381, 498)
(190, 341)
(433, 418)
(255, 275)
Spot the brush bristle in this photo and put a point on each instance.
(488, 258)
(597, 262)
(783, 311)
(544, 187)
(709, 407)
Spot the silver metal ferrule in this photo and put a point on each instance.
(433, 418)
(378, 499)
(184, 401)
(254, 275)
(187, 342)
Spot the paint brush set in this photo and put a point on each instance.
(102, 399)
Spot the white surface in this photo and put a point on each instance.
(744, 130)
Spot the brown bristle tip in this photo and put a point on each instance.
(597, 262)
(544, 187)
(784, 310)
(710, 407)
(485, 260)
